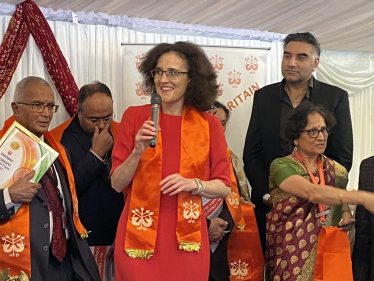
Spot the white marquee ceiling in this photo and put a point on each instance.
(341, 25)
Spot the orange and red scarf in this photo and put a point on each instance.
(144, 211)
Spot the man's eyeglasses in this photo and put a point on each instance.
(95, 120)
(313, 133)
(39, 107)
(172, 74)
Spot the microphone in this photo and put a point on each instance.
(155, 115)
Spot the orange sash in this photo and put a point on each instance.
(144, 211)
(244, 250)
(16, 232)
(17, 229)
(233, 200)
(333, 256)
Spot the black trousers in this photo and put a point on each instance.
(61, 271)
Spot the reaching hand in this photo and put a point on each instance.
(346, 224)
(144, 135)
(175, 184)
(23, 191)
(102, 141)
(217, 230)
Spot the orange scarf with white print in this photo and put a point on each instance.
(16, 231)
(144, 211)
(244, 251)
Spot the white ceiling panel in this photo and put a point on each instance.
(338, 24)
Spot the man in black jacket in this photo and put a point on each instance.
(89, 136)
(271, 104)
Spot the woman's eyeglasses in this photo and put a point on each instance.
(313, 133)
(172, 74)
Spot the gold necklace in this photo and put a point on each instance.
(294, 102)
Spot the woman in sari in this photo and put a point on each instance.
(308, 193)
(162, 233)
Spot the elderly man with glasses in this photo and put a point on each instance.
(38, 219)
(89, 136)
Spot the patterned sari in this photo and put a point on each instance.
(292, 225)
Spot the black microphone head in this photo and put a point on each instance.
(156, 99)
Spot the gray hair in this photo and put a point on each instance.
(21, 86)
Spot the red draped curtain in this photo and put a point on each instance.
(29, 19)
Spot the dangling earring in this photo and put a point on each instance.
(295, 148)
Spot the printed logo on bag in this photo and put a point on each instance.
(239, 269)
(251, 64)
(217, 63)
(191, 211)
(140, 90)
(234, 199)
(234, 78)
(142, 219)
(13, 245)
(138, 59)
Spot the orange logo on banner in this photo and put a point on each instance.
(216, 63)
(234, 78)
(251, 64)
(220, 90)
(140, 90)
(138, 60)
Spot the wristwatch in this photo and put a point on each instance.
(199, 186)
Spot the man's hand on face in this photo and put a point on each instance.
(23, 191)
(102, 141)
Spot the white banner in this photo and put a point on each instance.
(241, 71)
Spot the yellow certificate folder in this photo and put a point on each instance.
(21, 152)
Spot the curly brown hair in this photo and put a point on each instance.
(202, 89)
